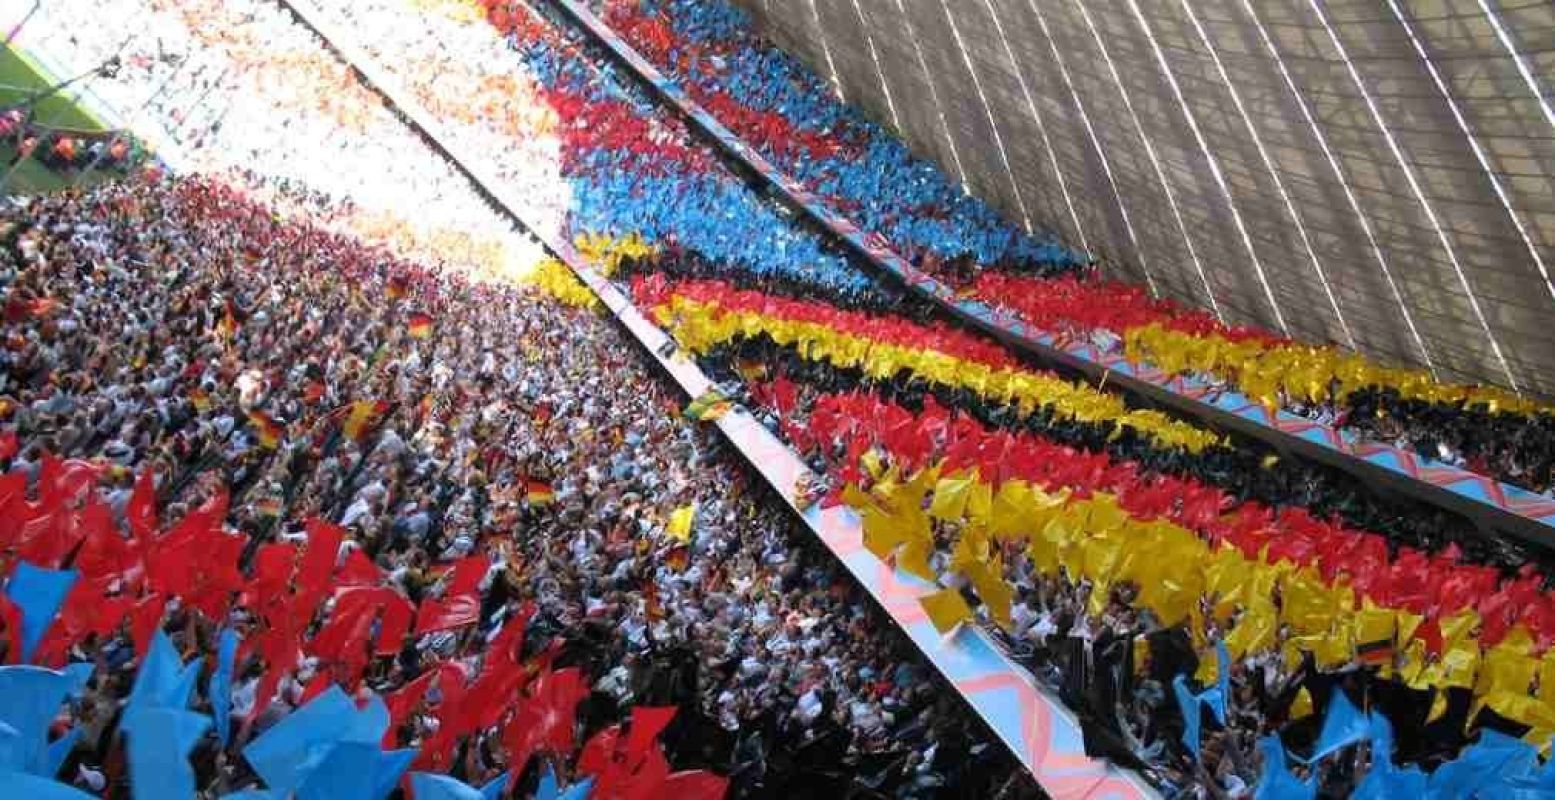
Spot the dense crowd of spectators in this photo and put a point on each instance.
(265, 323)
(166, 328)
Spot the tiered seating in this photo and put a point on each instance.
(789, 115)
(455, 501)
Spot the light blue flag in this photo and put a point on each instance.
(1277, 783)
(368, 724)
(1387, 782)
(1486, 768)
(32, 787)
(159, 743)
(494, 789)
(347, 773)
(1343, 725)
(80, 674)
(220, 689)
(294, 747)
(1188, 704)
(159, 679)
(59, 750)
(182, 695)
(578, 791)
(427, 786)
(38, 593)
(391, 767)
(548, 788)
(252, 794)
(29, 699)
(1222, 693)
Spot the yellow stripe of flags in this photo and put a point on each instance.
(1093, 538)
(699, 326)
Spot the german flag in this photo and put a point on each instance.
(201, 399)
(268, 506)
(708, 407)
(419, 326)
(751, 369)
(397, 286)
(229, 324)
(361, 416)
(539, 492)
(268, 430)
(678, 558)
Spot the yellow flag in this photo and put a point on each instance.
(1254, 631)
(1503, 669)
(914, 557)
(1302, 705)
(1011, 506)
(881, 533)
(680, 522)
(946, 609)
(996, 594)
(950, 498)
(979, 502)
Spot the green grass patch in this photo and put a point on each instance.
(21, 77)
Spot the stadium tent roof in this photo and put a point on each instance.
(1376, 173)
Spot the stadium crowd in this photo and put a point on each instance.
(427, 424)
(179, 331)
(795, 119)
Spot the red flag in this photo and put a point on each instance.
(318, 563)
(401, 701)
(145, 618)
(447, 614)
(142, 509)
(647, 724)
(694, 785)
(12, 617)
(359, 570)
(10, 444)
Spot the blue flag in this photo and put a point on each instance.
(59, 750)
(159, 683)
(291, 749)
(391, 766)
(1222, 692)
(1487, 768)
(1188, 704)
(220, 689)
(1343, 725)
(578, 791)
(494, 789)
(159, 743)
(348, 772)
(29, 699)
(427, 786)
(32, 787)
(548, 788)
(182, 695)
(1277, 783)
(38, 593)
(80, 675)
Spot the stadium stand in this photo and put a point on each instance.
(410, 526)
